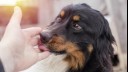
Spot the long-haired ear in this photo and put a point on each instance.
(103, 44)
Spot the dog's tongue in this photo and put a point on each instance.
(42, 47)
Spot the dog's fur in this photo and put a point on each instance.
(80, 40)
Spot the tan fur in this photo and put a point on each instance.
(62, 14)
(57, 43)
(90, 48)
(76, 18)
(75, 57)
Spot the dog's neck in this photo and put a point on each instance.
(53, 63)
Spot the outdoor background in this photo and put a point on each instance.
(42, 12)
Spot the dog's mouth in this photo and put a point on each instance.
(54, 45)
(42, 46)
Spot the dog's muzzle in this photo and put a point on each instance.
(45, 36)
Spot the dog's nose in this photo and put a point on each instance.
(45, 36)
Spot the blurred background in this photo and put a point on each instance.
(42, 12)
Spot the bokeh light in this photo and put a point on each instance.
(8, 2)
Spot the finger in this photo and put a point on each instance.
(37, 49)
(33, 31)
(34, 41)
(16, 18)
(13, 28)
(14, 25)
(44, 55)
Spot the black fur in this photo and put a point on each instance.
(95, 30)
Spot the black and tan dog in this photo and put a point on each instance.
(80, 37)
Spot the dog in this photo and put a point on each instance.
(80, 40)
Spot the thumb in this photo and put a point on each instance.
(13, 27)
(15, 19)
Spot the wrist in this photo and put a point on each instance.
(7, 58)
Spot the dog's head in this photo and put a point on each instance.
(78, 31)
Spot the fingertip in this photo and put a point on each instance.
(16, 18)
(39, 29)
(18, 10)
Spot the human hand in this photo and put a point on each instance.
(17, 46)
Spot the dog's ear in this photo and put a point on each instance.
(103, 44)
(84, 4)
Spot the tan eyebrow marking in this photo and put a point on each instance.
(62, 13)
(76, 18)
(90, 48)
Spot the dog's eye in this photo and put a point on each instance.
(77, 26)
